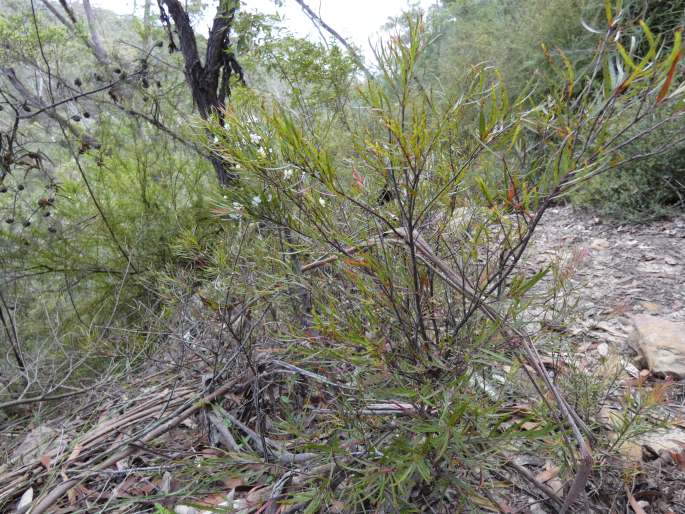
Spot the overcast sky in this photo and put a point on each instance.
(357, 20)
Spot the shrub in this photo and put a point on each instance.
(400, 261)
(644, 190)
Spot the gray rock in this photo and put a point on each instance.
(661, 343)
(38, 441)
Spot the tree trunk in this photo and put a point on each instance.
(208, 82)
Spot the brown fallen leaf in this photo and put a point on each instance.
(71, 493)
(46, 461)
(633, 503)
(75, 452)
(679, 459)
(547, 474)
(530, 425)
(233, 482)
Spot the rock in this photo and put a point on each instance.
(652, 308)
(603, 349)
(661, 343)
(599, 244)
(658, 441)
(40, 440)
(669, 439)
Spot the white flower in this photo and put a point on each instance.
(268, 197)
(261, 151)
(255, 138)
(322, 202)
(216, 140)
(256, 200)
(238, 211)
(287, 173)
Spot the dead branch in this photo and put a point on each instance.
(224, 434)
(97, 46)
(282, 456)
(126, 448)
(43, 398)
(316, 19)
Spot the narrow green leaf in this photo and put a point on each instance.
(530, 283)
(481, 125)
(484, 189)
(608, 12)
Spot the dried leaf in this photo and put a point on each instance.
(530, 425)
(46, 461)
(633, 503)
(679, 459)
(25, 502)
(664, 89)
(75, 452)
(547, 474)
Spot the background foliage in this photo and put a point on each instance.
(374, 237)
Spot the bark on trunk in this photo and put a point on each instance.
(208, 81)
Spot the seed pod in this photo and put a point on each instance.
(76, 117)
(145, 83)
(77, 82)
(9, 221)
(26, 108)
(27, 223)
(86, 114)
(52, 230)
(20, 187)
(159, 44)
(47, 214)
(3, 189)
(117, 70)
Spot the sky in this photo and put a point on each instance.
(356, 20)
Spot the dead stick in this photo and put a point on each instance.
(22, 401)
(61, 489)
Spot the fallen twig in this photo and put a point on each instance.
(126, 449)
(279, 454)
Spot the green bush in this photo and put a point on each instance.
(467, 32)
(643, 191)
(418, 301)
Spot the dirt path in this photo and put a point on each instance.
(621, 270)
